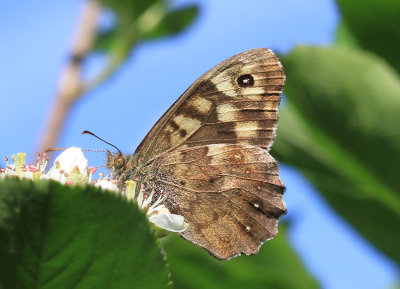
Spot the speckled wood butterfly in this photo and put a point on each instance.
(209, 152)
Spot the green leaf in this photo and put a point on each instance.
(54, 236)
(276, 266)
(344, 36)
(105, 40)
(375, 24)
(155, 22)
(174, 22)
(339, 128)
(129, 10)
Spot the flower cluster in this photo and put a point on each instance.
(71, 168)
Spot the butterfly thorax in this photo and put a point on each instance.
(125, 168)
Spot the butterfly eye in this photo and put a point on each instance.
(119, 162)
(245, 80)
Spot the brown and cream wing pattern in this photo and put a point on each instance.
(235, 102)
(209, 153)
(231, 195)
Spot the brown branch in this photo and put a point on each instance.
(69, 89)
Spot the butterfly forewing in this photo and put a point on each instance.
(235, 102)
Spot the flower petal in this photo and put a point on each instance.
(159, 210)
(147, 201)
(170, 222)
(107, 185)
(154, 207)
(66, 162)
(71, 158)
(140, 196)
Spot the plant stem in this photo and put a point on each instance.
(69, 89)
(112, 65)
(72, 87)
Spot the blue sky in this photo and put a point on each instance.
(35, 36)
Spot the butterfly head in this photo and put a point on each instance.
(117, 162)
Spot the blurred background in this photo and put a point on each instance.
(338, 138)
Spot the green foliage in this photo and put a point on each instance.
(105, 40)
(129, 10)
(276, 266)
(54, 236)
(173, 23)
(375, 25)
(339, 123)
(344, 36)
(137, 21)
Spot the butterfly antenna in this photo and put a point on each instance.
(54, 149)
(88, 132)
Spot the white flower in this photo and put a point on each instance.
(71, 167)
(20, 170)
(157, 213)
(106, 184)
(170, 222)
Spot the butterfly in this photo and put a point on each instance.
(210, 153)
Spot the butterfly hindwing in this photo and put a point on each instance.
(231, 195)
(235, 102)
